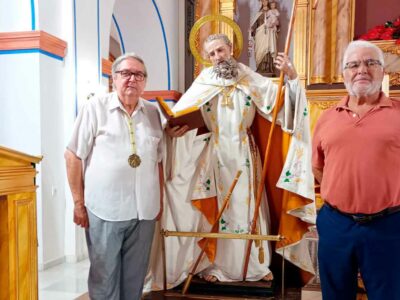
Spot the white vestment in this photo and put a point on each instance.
(203, 166)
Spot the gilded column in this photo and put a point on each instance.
(300, 39)
(344, 35)
(227, 8)
(319, 42)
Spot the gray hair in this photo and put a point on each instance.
(129, 55)
(218, 36)
(362, 44)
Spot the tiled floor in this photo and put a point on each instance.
(67, 281)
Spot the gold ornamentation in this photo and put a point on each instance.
(134, 160)
(203, 20)
(388, 46)
(226, 96)
(394, 78)
(323, 105)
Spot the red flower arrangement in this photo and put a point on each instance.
(389, 31)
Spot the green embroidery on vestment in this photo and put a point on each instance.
(247, 163)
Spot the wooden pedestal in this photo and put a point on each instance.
(18, 237)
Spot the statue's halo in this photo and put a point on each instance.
(203, 20)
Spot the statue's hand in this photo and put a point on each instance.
(282, 63)
(176, 131)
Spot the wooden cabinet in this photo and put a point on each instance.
(18, 237)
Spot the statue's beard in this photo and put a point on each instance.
(227, 69)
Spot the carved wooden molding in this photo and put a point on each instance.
(394, 78)
(170, 95)
(33, 40)
(332, 93)
(324, 104)
(388, 46)
(106, 66)
(19, 156)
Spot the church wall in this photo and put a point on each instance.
(20, 100)
(15, 15)
(367, 18)
(53, 171)
(142, 25)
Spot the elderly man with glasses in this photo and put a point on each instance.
(115, 175)
(356, 158)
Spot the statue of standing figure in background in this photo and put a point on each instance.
(264, 30)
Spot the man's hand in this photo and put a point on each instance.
(282, 63)
(318, 173)
(80, 215)
(176, 131)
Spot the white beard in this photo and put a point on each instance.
(373, 88)
(226, 69)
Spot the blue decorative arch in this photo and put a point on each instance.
(119, 34)
(33, 18)
(165, 43)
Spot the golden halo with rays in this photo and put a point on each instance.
(200, 22)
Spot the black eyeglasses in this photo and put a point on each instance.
(369, 63)
(125, 74)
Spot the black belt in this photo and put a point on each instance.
(365, 218)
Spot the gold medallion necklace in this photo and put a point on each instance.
(133, 159)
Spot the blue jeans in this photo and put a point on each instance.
(345, 247)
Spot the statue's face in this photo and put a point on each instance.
(217, 51)
(265, 3)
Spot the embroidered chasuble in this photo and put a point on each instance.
(203, 167)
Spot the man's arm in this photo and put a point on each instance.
(75, 180)
(317, 174)
(161, 178)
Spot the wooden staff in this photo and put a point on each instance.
(278, 105)
(216, 223)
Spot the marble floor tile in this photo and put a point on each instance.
(66, 281)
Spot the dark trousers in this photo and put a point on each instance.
(345, 247)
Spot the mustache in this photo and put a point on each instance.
(226, 69)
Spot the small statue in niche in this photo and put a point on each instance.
(264, 30)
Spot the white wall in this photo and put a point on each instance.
(53, 171)
(142, 33)
(15, 15)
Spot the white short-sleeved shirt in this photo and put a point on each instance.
(113, 190)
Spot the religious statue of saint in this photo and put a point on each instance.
(264, 29)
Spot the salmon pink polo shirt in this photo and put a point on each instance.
(359, 157)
